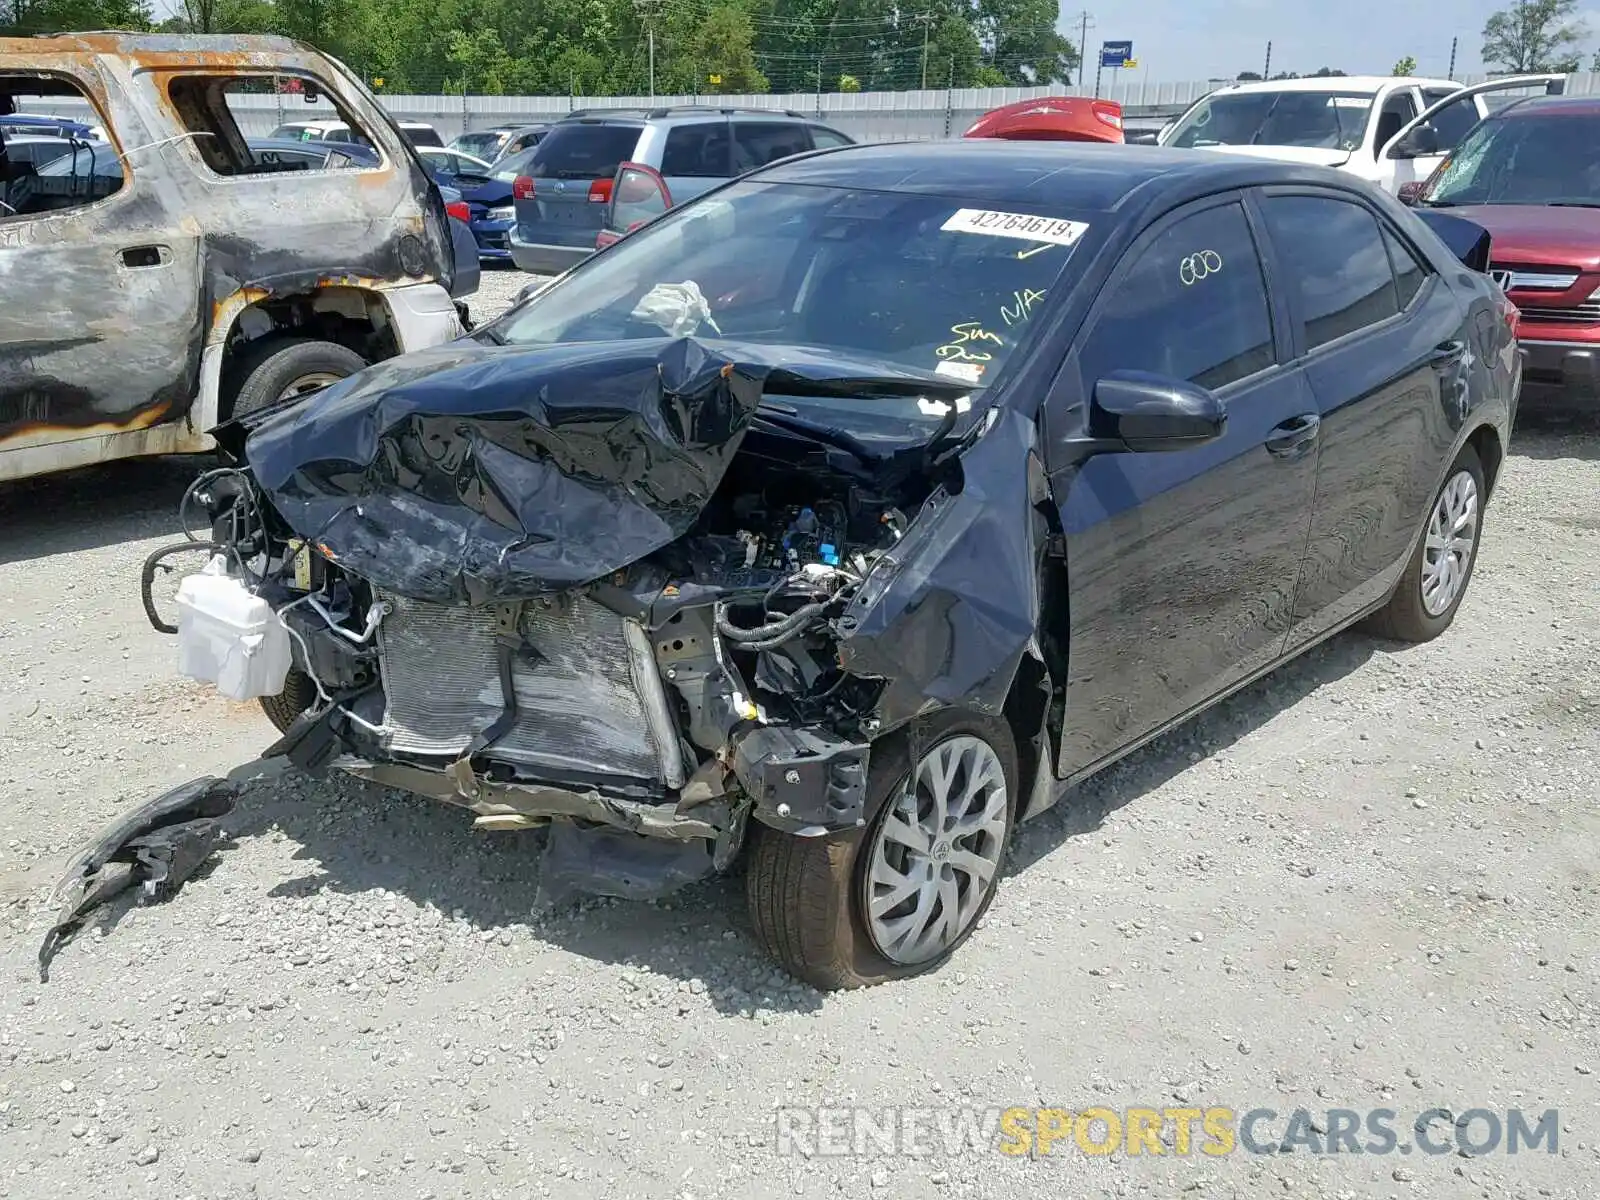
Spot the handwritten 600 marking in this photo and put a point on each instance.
(1197, 266)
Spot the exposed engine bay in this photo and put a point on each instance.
(670, 697)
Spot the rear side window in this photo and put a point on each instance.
(1193, 306)
(423, 137)
(757, 143)
(1334, 258)
(697, 151)
(212, 107)
(1409, 274)
(580, 151)
(827, 138)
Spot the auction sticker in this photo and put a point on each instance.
(1029, 228)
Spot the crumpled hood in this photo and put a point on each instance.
(471, 473)
(1312, 156)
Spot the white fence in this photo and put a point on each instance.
(865, 116)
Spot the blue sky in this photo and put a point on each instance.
(1199, 39)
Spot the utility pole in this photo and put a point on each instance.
(1084, 22)
(927, 22)
(1452, 72)
(649, 8)
(1266, 71)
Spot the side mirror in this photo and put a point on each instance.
(1148, 412)
(1416, 143)
(1410, 194)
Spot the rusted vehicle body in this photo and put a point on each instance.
(165, 280)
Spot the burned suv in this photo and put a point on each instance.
(176, 273)
(851, 507)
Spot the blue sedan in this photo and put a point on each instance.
(486, 190)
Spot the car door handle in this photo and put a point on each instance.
(145, 256)
(1294, 435)
(1447, 354)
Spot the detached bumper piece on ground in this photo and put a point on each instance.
(155, 847)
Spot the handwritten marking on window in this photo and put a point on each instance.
(1023, 309)
(1198, 266)
(967, 334)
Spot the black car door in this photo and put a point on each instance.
(1182, 565)
(1381, 340)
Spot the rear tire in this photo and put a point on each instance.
(273, 369)
(1425, 601)
(298, 694)
(811, 899)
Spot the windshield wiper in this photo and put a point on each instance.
(1572, 204)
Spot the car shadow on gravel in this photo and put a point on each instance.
(94, 507)
(356, 839)
(359, 840)
(1083, 809)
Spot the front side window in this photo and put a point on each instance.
(1193, 306)
(1334, 258)
(1329, 120)
(47, 175)
(907, 281)
(1534, 159)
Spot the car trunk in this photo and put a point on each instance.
(561, 198)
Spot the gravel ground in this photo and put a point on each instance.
(1368, 881)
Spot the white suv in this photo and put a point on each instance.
(1389, 130)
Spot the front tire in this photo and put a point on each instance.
(1425, 601)
(898, 897)
(298, 694)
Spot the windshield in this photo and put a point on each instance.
(1522, 160)
(579, 151)
(482, 144)
(910, 281)
(1316, 120)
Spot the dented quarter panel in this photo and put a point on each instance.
(92, 348)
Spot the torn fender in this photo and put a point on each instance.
(946, 615)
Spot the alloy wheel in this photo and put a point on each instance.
(1447, 554)
(937, 851)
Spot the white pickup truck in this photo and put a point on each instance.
(1389, 130)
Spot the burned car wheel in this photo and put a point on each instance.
(895, 898)
(279, 369)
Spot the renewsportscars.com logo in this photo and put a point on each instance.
(1101, 1131)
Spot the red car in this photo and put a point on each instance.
(1530, 175)
(1052, 119)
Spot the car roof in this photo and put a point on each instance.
(1545, 106)
(1064, 175)
(679, 114)
(1333, 83)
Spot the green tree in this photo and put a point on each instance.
(1248, 76)
(724, 49)
(1406, 66)
(23, 18)
(1534, 35)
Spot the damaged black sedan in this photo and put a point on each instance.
(841, 516)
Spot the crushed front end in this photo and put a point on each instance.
(595, 588)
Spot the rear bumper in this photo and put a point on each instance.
(1560, 375)
(545, 259)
